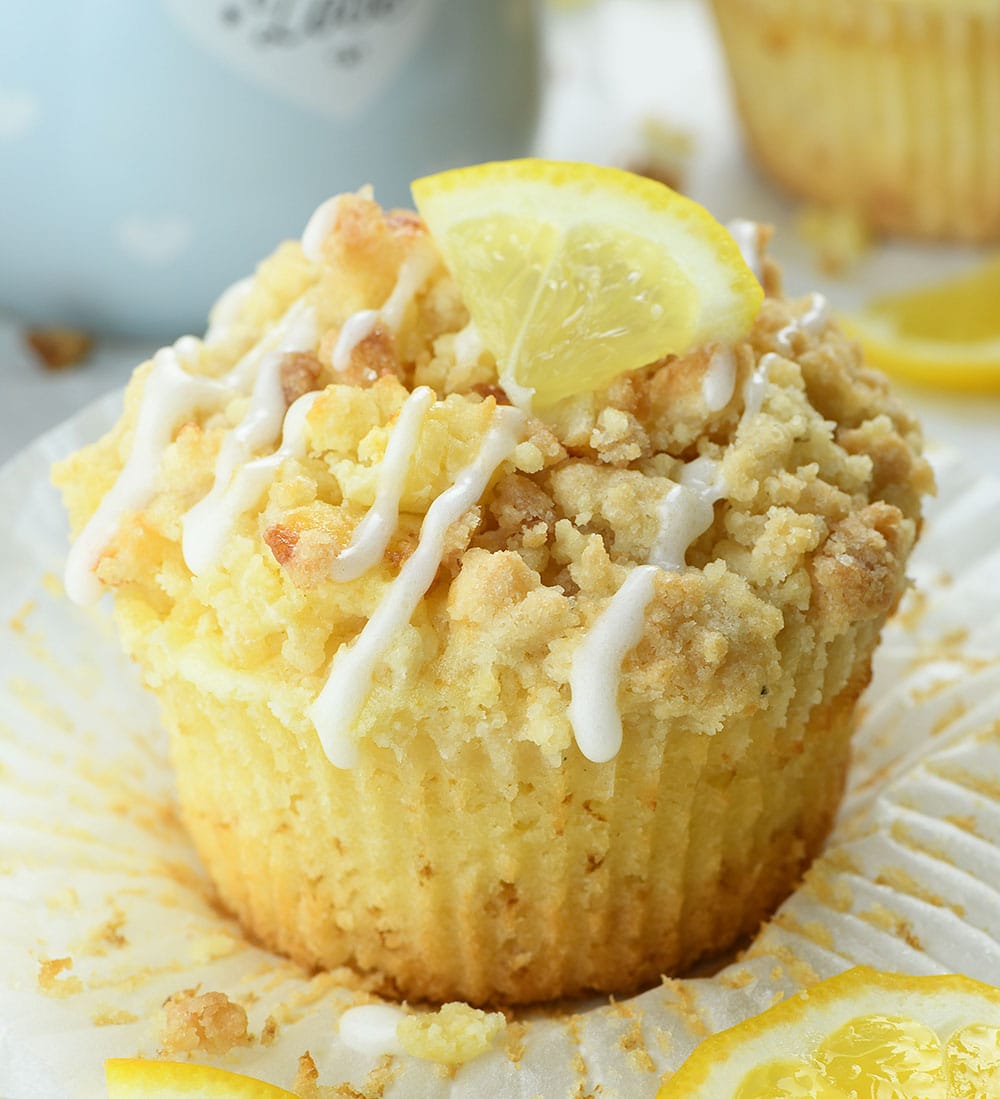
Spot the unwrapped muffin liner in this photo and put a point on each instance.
(105, 911)
(888, 106)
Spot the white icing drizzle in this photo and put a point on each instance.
(372, 534)
(206, 526)
(247, 485)
(170, 396)
(372, 1029)
(686, 512)
(413, 273)
(357, 327)
(719, 382)
(349, 683)
(227, 309)
(812, 322)
(597, 664)
(468, 346)
(747, 237)
(318, 229)
(754, 387)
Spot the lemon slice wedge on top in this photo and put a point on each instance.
(862, 1035)
(574, 274)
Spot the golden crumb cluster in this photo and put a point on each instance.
(473, 852)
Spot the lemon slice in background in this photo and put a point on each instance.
(133, 1078)
(946, 335)
(862, 1035)
(574, 274)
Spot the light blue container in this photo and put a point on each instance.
(151, 151)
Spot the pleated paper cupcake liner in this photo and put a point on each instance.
(106, 911)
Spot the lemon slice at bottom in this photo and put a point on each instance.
(574, 273)
(862, 1035)
(134, 1078)
(945, 335)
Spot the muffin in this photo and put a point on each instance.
(887, 107)
(381, 610)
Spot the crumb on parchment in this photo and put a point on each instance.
(208, 1022)
(452, 1035)
(57, 347)
(50, 982)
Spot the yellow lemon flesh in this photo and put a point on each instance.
(946, 335)
(862, 1035)
(132, 1078)
(574, 274)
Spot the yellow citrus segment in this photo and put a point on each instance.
(862, 1035)
(875, 1055)
(574, 274)
(135, 1078)
(787, 1080)
(947, 335)
(973, 1059)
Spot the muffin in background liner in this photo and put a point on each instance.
(887, 107)
(472, 852)
(107, 912)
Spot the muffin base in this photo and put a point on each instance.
(496, 877)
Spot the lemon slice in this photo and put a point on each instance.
(945, 335)
(574, 274)
(862, 1035)
(133, 1078)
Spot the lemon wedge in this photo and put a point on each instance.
(574, 274)
(862, 1035)
(133, 1078)
(946, 335)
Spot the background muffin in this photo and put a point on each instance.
(889, 107)
(471, 849)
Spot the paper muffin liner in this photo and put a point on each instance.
(106, 911)
(890, 107)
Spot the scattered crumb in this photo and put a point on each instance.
(839, 237)
(110, 1016)
(737, 978)
(218, 944)
(666, 153)
(307, 1086)
(513, 1041)
(633, 1043)
(58, 347)
(269, 1031)
(19, 620)
(891, 922)
(895, 877)
(53, 584)
(209, 1022)
(306, 1077)
(106, 936)
(50, 982)
(452, 1035)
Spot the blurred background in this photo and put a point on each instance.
(151, 153)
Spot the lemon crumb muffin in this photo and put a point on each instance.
(499, 706)
(887, 107)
